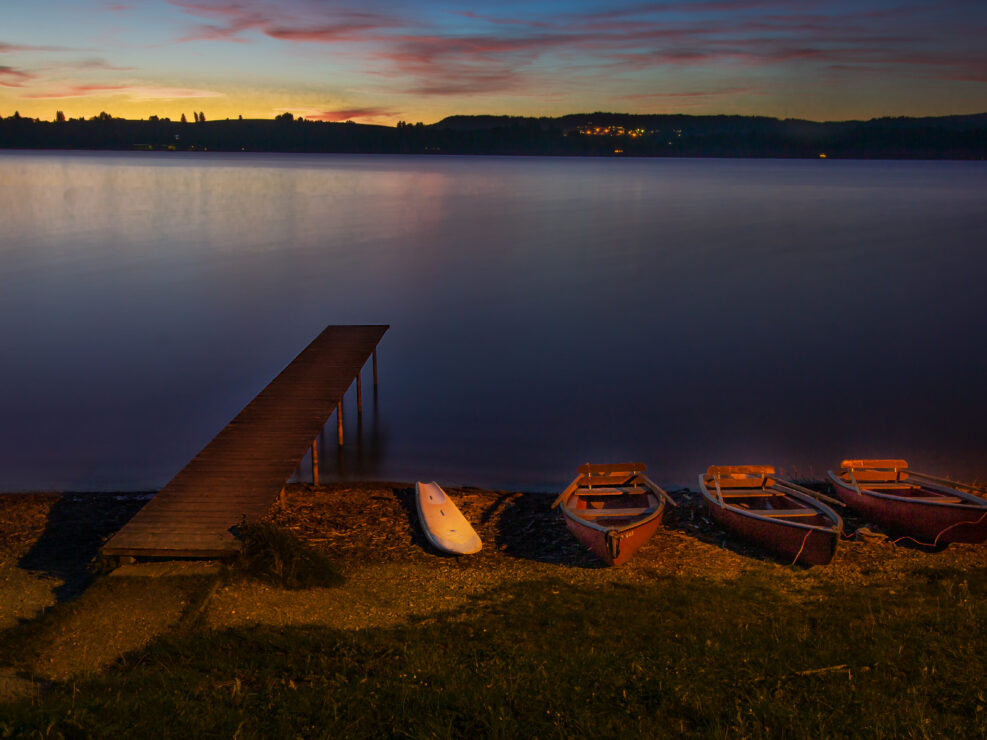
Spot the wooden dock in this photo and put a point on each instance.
(241, 473)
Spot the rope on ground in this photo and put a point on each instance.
(827, 669)
(935, 542)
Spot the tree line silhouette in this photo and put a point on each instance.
(592, 134)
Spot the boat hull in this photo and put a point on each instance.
(924, 521)
(612, 509)
(780, 516)
(804, 545)
(613, 546)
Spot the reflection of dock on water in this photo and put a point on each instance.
(242, 471)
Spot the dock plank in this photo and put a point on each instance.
(241, 472)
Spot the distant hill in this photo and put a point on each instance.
(633, 120)
(945, 137)
(583, 134)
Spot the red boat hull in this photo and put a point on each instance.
(809, 546)
(928, 523)
(613, 547)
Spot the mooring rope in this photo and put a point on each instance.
(804, 540)
(935, 542)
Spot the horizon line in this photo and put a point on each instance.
(103, 115)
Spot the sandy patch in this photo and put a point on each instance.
(24, 595)
(113, 617)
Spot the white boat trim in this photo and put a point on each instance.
(811, 501)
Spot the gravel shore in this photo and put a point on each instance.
(48, 543)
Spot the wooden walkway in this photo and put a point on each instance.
(241, 473)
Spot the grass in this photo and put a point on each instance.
(272, 554)
(88, 632)
(549, 659)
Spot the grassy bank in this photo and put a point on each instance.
(558, 658)
(699, 634)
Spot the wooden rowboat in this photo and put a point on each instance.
(930, 510)
(613, 509)
(789, 520)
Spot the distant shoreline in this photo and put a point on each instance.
(586, 135)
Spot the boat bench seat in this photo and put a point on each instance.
(752, 493)
(726, 483)
(605, 491)
(784, 512)
(592, 513)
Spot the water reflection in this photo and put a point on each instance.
(544, 312)
(364, 452)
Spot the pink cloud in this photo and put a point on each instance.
(136, 92)
(206, 32)
(236, 17)
(696, 93)
(467, 65)
(438, 64)
(349, 114)
(100, 64)
(156, 92)
(503, 21)
(510, 52)
(10, 77)
(215, 10)
(78, 91)
(325, 34)
(632, 39)
(5, 48)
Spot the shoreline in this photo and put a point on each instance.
(949, 137)
(58, 534)
(61, 620)
(807, 157)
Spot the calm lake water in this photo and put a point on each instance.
(544, 312)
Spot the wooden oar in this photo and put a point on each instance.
(808, 491)
(567, 492)
(976, 490)
(655, 488)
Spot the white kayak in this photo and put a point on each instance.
(445, 526)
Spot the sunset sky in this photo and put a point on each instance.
(380, 61)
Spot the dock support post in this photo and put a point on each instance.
(375, 368)
(315, 461)
(359, 396)
(339, 422)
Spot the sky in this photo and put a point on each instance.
(383, 61)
